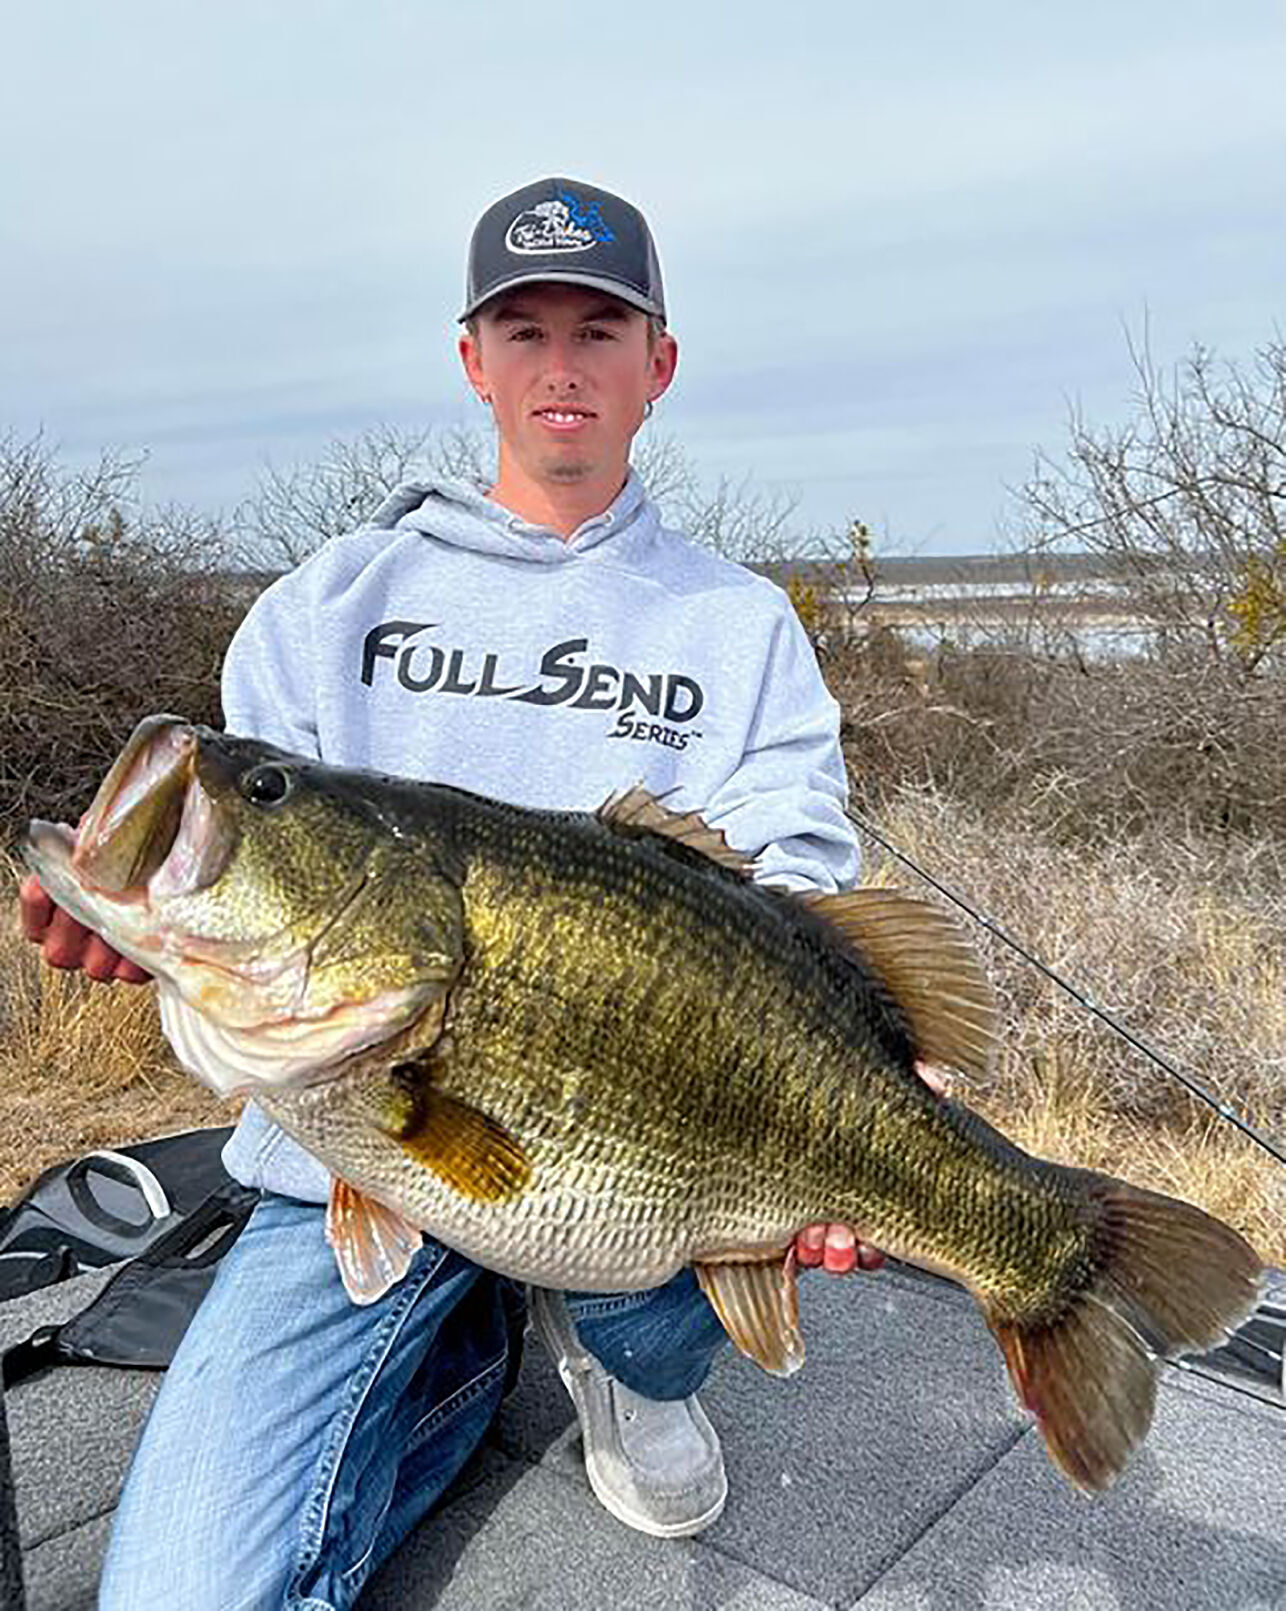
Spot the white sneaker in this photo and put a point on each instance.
(654, 1464)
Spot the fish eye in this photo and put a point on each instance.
(267, 785)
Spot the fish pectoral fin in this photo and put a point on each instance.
(758, 1305)
(373, 1244)
(464, 1147)
(927, 965)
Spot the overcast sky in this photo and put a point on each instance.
(898, 242)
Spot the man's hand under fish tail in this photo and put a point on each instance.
(835, 1247)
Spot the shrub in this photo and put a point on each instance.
(1092, 750)
(106, 615)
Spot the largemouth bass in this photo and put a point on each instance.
(587, 1050)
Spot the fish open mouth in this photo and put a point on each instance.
(153, 831)
(239, 1001)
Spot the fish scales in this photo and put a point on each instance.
(625, 973)
(589, 1050)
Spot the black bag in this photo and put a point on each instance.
(105, 1207)
(140, 1316)
(167, 1206)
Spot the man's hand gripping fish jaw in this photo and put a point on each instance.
(255, 898)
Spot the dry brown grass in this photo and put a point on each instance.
(1192, 953)
(1184, 943)
(81, 1065)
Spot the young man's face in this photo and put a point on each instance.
(568, 373)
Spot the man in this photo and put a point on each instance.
(546, 641)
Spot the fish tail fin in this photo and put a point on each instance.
(1166, 1279)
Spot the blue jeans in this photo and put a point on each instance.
(298, 1438)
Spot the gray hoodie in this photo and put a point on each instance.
(449, 639)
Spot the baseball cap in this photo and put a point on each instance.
(561, 229)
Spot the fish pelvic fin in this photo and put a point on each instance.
(1169, 1279)
(926, 964)
(758, 1305)
(374, 1245)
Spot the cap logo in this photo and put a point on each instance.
(565, 224)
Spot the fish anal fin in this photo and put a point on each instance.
(758, 1305)
(927, 965)
(374, 1245)
(1167, 1279)
(638, 812)
(464, 1147)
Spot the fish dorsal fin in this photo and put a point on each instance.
(928, 967)
(463, 1146)
(638, 812)
(758, 1305)
(374, 1245)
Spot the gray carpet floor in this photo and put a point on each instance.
(892, 1474)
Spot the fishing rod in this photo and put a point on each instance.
(1228, 1365)
(1190, 1367)
(1272, 1311)
(1225, 1110)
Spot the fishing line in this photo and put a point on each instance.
(1190, 1365)
(1190, 1369)
(1225, 1110)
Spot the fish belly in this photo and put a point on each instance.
(596, 1215)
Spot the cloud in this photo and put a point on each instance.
(895, 243)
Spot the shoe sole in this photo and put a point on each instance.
(643, 1524)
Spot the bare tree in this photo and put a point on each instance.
(1183, 511)
(1174, 527)
(662, 464)
(1187, 504)
(65, 506)
(295, 510)
(732, 518)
